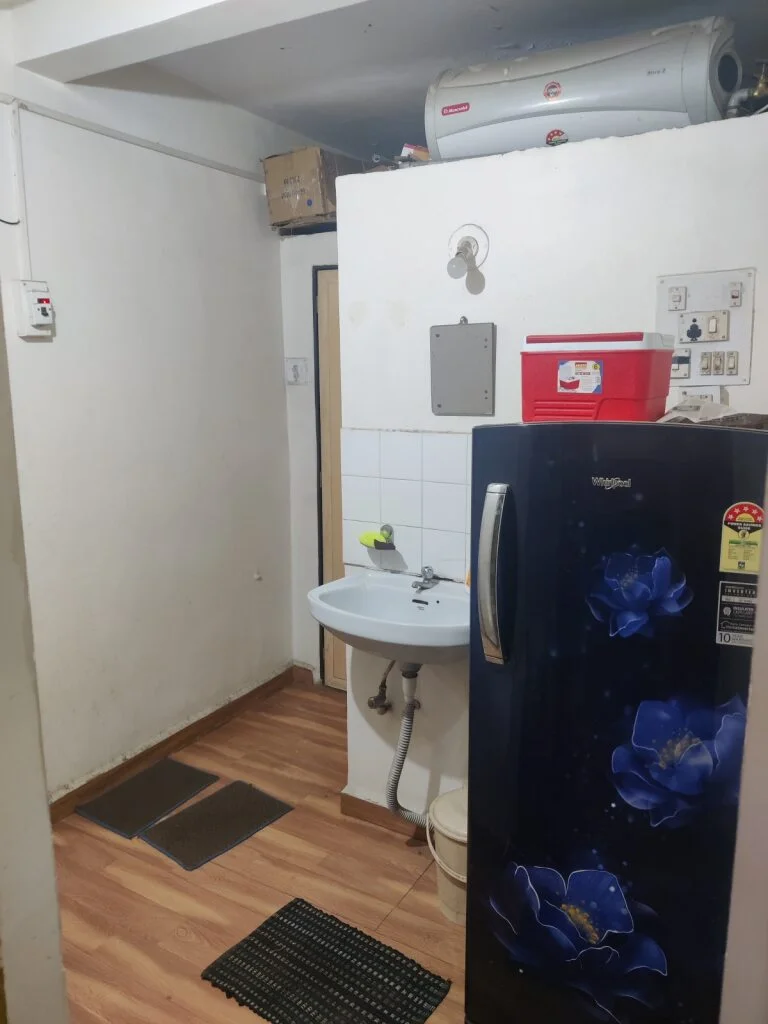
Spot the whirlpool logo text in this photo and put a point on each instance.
(610, 483)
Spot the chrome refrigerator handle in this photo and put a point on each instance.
(488, 571)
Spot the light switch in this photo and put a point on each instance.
(718, 363)
(678, 297)
(718, 325)
(736, 291)
(297, 371)
(705, 365)
(732, 364)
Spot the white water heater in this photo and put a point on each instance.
(667, 78)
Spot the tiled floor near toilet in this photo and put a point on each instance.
(138, 929)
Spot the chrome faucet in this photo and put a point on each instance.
(427, 581)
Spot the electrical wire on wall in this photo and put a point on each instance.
(13, 125)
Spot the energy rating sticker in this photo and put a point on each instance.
(742, 538)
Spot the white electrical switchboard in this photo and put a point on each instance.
(711, 317)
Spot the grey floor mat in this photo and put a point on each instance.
(214, 825)
(139, 802)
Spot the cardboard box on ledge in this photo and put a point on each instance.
(301, 186)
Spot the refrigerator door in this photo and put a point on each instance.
(607, 714)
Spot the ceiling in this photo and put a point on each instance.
(356, 78)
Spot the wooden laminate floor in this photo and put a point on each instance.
(138, 929)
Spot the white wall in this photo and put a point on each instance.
(578, 237)
(298, 256)
(152, 445)
(111, 35)
(29, 923)
(146, 102)
(152, 435)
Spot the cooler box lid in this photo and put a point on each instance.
(631, 341)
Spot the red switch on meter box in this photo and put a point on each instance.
(35, 311)
(623, 376)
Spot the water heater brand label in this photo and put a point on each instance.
(455, 108)
(556, 137)
(580, 377)
(553, 90)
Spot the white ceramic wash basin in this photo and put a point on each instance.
(382, 613)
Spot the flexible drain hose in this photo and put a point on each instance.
(401, 752)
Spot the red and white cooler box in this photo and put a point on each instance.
(596, 376)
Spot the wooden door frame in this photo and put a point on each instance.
(316, 271)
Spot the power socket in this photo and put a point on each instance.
(712, 326)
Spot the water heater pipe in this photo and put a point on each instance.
(755, 92)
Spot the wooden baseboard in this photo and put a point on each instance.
(303, 676)
(363, 810)
(66, 804)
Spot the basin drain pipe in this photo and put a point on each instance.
(410, 677)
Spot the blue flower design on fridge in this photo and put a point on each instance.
(581, 932)
(632, 590)
(681, 759)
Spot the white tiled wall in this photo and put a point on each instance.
(419, 484)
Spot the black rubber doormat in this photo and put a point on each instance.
(139, 802)
(303, 966)
(216, 824)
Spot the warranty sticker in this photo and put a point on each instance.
(736, 610)
(742, 538)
